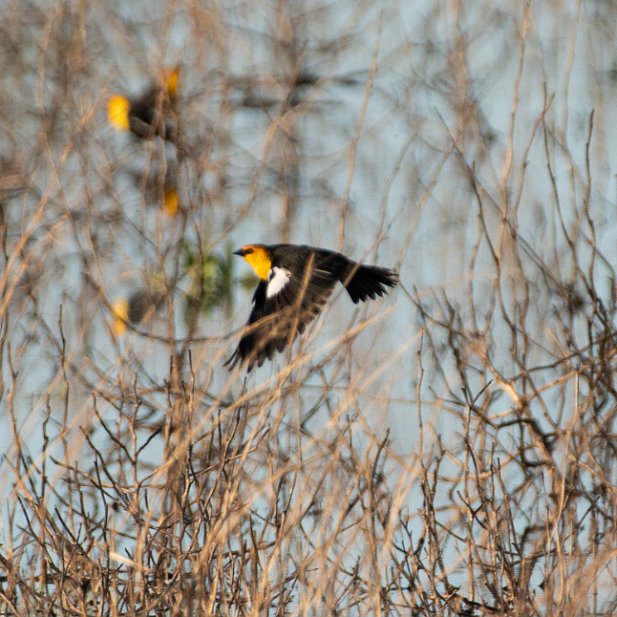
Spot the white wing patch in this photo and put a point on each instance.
(279, 277)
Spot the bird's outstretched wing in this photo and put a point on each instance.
(282, 308)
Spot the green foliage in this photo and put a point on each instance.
(210, 278)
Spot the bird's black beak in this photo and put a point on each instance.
(244, 251)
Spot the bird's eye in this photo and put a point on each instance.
(248, 251)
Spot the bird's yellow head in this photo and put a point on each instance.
(258, 257)
(171, 202)
(118, 112)
(120, 312)
(172, 81)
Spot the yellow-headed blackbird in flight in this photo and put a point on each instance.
(295, 282)
(150, 114)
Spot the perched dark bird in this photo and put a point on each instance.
(159, 184)
(150, 114)
(295, 282)
(139, 307)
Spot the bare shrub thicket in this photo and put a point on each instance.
(448, 450)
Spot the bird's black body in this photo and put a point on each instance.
(151, 114)
(299, 282)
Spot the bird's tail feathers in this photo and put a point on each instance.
(369, 282)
